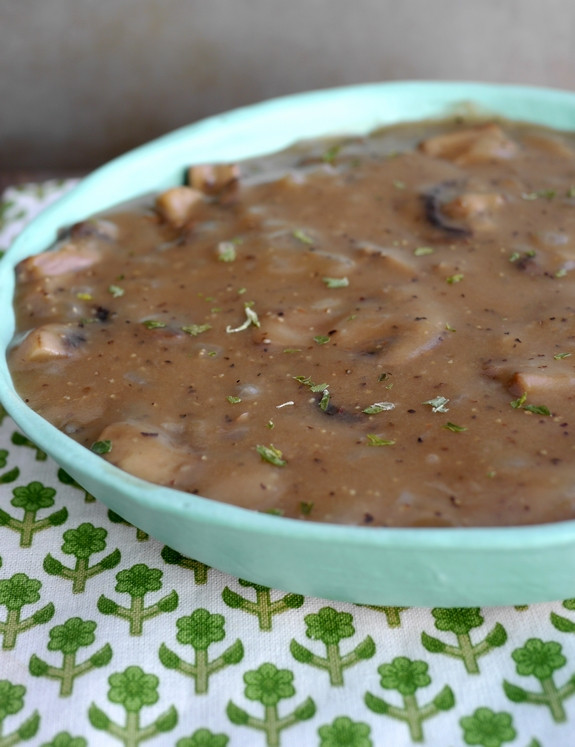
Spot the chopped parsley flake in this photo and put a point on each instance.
(378, 407)
(274, 511)
(449, 328)
(336, 282)
(84, 296)
(233, 400)
(454, 428)
(271, 454)
(383, 376)
(251, 318)
(154, 324)
(303, 237)
(306, 381)
(292, 350)
(560, 356)
(226, 251)
(561, 272)
(452, 279)
(514, 257)
(537, 409)
(399, 184)
(306, 507)
(321, 339)
(324, 401)
(270, 425)
(519, 404)
(437, 404)
(101, 447)
(570, 192)
(241, 291)
(423, 251)
(548, 194)
(329, 155)
(196, 329)
(116, 291)
(373, 440)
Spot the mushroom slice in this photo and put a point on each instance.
(46, 343)
(71, 257)
(213, 179)
(478, 144)
(149, 453)
(178, 204)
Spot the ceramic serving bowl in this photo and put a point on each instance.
(427, 567)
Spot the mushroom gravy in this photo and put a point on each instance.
(370, 331)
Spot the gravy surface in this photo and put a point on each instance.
(381, 334)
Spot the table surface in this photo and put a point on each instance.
(109, 637)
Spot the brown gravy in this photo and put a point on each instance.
(384, 334)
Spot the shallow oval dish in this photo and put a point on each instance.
(426, 567)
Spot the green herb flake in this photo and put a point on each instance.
(453, 279)
(251, 318)
(561, 272)
(455, 428)
(226, 251)
(324, 401)
(399, 184)
(84, 296)
(303, 237)
(271, 454)
(212, 353)
(306, 507)
(560, 356)
(274, 511)
(516, 404)
(101, 447)
(116, 291)
(318, 387)
(449, 328)
(306, 381)
(537, 409)
(373, 440)
(233, 400)
(423, 251)
(329, 155)
(383, 376)
(336, 282)
(270, 425)
(378, 407)
(514, 256)
(241, 291)
(570, 192)
(548, 194)
(154, 324)
(437, 404)
(292, 350)
(196, 329)
(321, 339)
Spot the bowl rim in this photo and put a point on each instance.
(227, 516)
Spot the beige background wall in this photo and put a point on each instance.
(82, 80)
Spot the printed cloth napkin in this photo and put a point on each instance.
(108, 637)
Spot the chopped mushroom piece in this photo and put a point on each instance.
(177, 205)
(478, 144)
(147, 452)
(477, 208)
(212, 179)
(538, 384)
(69, 258)
(46, 342)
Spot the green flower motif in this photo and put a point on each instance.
(64, 739)
(458, 620)
(203, 738)
(329, 625)
(33, 497)
(68, 638)
(404, 675)
(84, 541)
(200, 629)
(133, 689)
(257, 587)
(487, 728)
(268, 684)
(3, 456)
(19, 590)
(344, 732)
(138, 580)
(538, 658)
(11, 699)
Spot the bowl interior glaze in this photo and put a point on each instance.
(425, 567)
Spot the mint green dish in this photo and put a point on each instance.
(425, 567)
